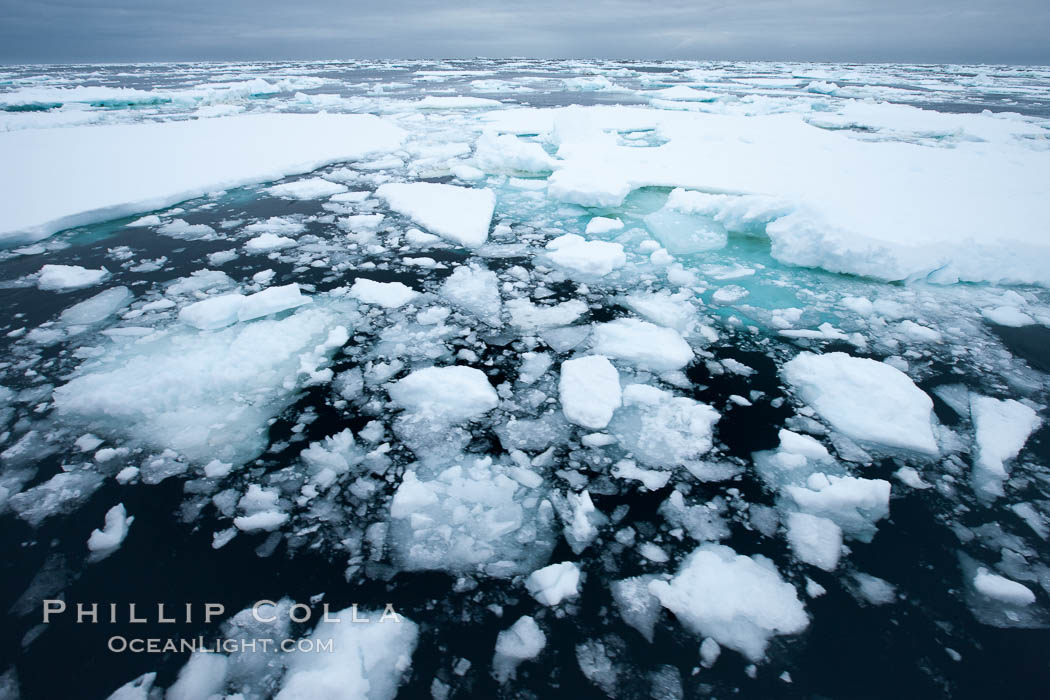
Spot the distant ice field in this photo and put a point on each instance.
(615, 379)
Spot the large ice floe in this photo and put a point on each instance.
(596, 378)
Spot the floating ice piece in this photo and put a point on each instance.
(638, 607)
(203, 676)
(456, 393)
(589, 389)
(651, 479)
(308, 188)
(852, 503)
(459, 214)
(741, 602)
(642, 344)
(553, 584)
(368, 661)
(590, 258)
(66, 278)
(598, 187)
(268, 520)
(473, 517)
(867, 400)
(455, 102)
(675, 311)
(269, 242)
(528, 316)
(873, 589)
(60, 494)
(664, 431)
(600, 224)
(507, 153)
(476, 290)
(1002, 588)
(208, 396)
(110, 171)
(814, 540)
(1002, 429)
(137, 689)
(521, 641)
(389, 295)
(97, 308)
(104, 542)
(221, 311)
(1008, 316)
(184, 230)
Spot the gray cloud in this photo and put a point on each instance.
(1009, 31)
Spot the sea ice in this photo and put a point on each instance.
(368, 661)
(459, 214)
(866, 400)
(389, 295)
(642, 344)
(555, 583)
(589, 258)
(454, 393)
(66, 278)
(589, 389)
(741, 602)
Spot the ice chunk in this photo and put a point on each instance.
(221, 311)
(61, 493)
(529, 316)
(104, 542)
(741, 602)
(1008, 316)
(638, 607)
(506, 153)
(589, 389)
(138, 689)
(97, 308)
(1002, 428)
(589, 258)
(368, 661)
(852, 503)
(476, 290)
(814, 540)
(601, 224)
(456, 393)
(308, 188)
(867, 400)
(1002, 588)
(66, 278)
(212, 313)
(268, 242)
(389, 295)
(472, 517)
(873, 589)
(553, 584)
(208, 396)
(642, 344)
(203, 676)
(662, 430)
(459, 214)
(522, 641)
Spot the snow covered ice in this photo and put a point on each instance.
(612, 378)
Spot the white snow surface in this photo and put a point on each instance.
(865, 399)
(741, 602)
(106, 172)
(369, 660)
(455, 393)
(590, 391)
(459, 214)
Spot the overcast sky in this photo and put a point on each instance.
(979, 31)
